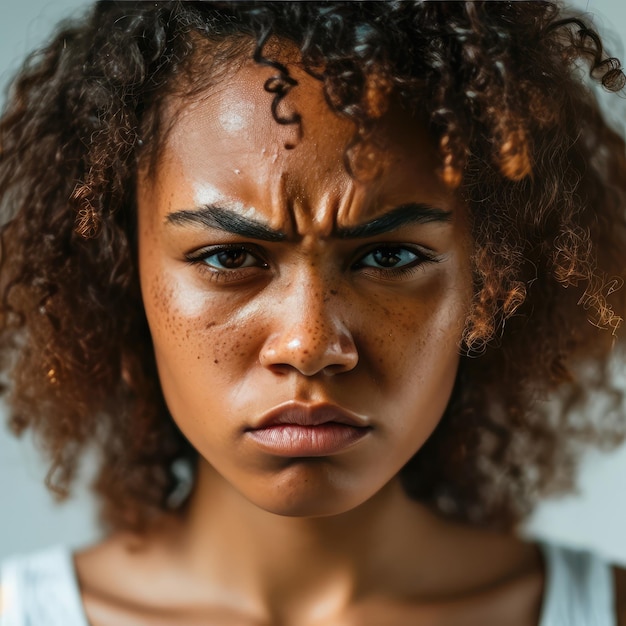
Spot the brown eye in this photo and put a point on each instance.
(231, 259)
(389, 257)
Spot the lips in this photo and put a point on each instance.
(300, 430)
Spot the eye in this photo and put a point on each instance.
(229, 263)
(390, 257)
(231, 259)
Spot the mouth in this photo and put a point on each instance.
(294, 429)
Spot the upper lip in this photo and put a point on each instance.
(301, 414)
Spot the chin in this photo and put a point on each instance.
(305, 508)
(298, 492)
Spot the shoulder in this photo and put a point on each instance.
(619, 576)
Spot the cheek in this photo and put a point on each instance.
(202, 349)
(418, 336)
(417, 352)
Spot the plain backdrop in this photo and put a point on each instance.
(595, 517)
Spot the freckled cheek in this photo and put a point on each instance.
(194, 332)
(417, 339)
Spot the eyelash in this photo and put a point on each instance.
(200, 257)
(422, 258)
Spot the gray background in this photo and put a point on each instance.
(596, 517)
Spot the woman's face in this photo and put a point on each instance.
(306, 324)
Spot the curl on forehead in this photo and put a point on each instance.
(232, 90)
(228, 142)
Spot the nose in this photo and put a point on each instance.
(309, 335)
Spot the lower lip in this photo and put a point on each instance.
(293, 440)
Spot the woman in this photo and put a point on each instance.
(337, 260)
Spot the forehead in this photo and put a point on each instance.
(232, 142)
(235, 116)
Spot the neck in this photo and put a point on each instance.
(286, 568)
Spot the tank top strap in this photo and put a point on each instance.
(578, 589)
(41, 589)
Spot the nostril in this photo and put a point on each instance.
(339, 368)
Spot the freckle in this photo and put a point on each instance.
(289, 146)
(333, 292)
(214, 360)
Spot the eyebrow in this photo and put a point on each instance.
(227, 220)
(412, 213)
(230, 221)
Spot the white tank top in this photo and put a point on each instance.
(42, 590)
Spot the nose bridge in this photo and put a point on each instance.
(310, 332)
(313, 297)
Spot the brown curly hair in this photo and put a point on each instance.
(502, 88)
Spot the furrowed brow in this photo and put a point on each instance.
(413, 213)
(224, 219)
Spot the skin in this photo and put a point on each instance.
(314, 317)
(302, 323)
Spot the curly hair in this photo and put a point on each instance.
(503, 89)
